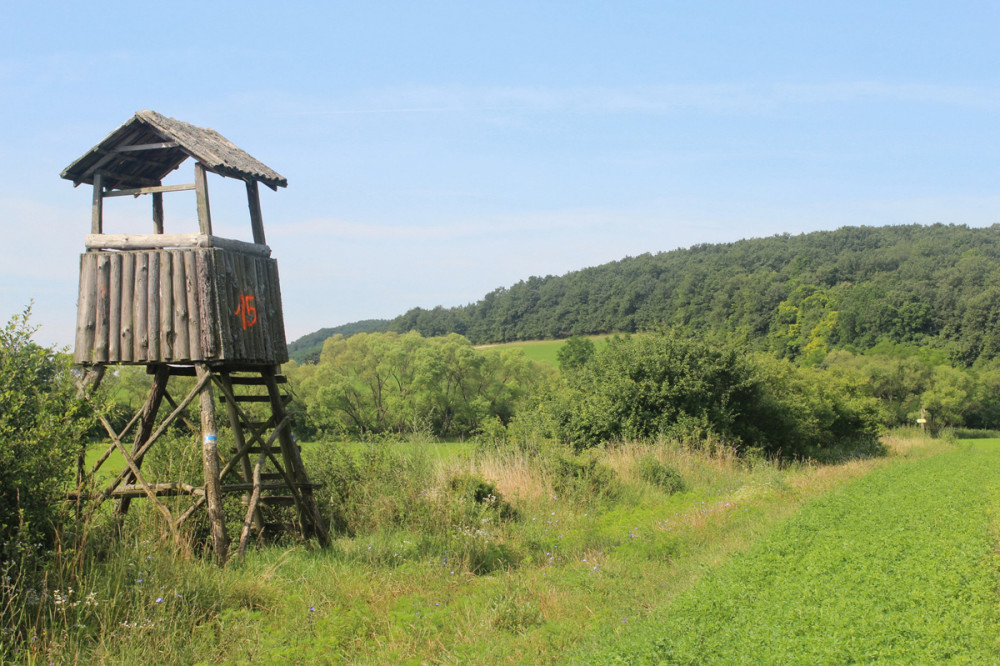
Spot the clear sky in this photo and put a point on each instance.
(438, 150)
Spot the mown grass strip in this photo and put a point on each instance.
(899, 566)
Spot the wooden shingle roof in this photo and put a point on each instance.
(149, 146)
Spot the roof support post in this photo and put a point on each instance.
(157, 212)
(201, 192)
(97, 211)
(256, 219)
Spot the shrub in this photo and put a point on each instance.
(482, 492)
(374, 488)
(583, 475)
(669, 385)
(41, 429)
(664, 477)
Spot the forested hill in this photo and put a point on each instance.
(796, 295)
(308, 347)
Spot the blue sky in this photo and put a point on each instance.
(438, 150)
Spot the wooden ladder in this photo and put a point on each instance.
(269, 459)
(264, 454)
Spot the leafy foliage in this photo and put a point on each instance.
(663, 476)
(378, 383)
(670, 385)
(575, 353)
(308, 348)
(41, 430)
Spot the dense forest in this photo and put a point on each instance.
(796, 296)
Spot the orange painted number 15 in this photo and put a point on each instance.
(247, 311)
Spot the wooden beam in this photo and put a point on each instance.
(201, 190)
(157, 212)
(136, 191)
(256, 219)
(146, 424)
(107, 157)
(166, 241)
(97, 211)
(210, 460)
(145, 146)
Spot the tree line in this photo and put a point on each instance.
(796, 296)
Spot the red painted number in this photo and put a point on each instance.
(247, 311)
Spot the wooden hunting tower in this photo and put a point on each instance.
(189, 304)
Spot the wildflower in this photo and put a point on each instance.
(159, 600)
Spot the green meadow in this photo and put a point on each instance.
(658, 553)
(546, 351)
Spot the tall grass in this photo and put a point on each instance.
(494, 556)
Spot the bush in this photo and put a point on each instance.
(482, 492)
(375, 488)
(42, 423)
(582, 475)
(664, 477)
(669, 385)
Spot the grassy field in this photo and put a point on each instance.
(429, 576)
(898, 567)
(546, 351)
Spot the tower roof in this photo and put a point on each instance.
(148, 146)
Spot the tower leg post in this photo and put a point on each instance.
(210, 460)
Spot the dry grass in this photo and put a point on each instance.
(912, 443)
(514, 473)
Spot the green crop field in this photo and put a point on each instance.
(546, 351)
(899, 567)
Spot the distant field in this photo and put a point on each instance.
(439, 452)
(545, 351)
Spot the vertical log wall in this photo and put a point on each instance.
(179, 306)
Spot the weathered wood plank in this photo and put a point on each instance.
(140, 308)
(264, 344)
(115, 308)
(154, 190)
(277, 324)
(101, 330)
(166, 241)
(208, 331)
(239, 290)
(182, 345)
(228, 317)
(145, 146)
(166, 307)
(201, 194)
(153, 309)
(193, 311)
(86, 317)
(128, 294)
